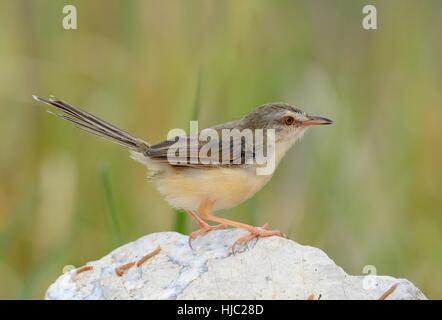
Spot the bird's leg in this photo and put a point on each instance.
(205, 210)
(204, 227)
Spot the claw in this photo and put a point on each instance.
(203, 231)
(254, 233)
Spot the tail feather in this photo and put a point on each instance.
(94, 125)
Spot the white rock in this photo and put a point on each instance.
(268, 268)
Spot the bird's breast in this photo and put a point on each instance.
(226, 187)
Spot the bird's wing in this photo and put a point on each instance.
(186, 152)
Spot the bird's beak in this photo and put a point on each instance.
(315, 121)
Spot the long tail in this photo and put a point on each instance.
(94, 125)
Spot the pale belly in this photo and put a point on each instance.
(224, 187)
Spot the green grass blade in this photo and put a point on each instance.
(111, 211)
(180, 221)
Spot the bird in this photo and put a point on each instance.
(201, 184)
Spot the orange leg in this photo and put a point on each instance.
(205, 210)
(204, 227)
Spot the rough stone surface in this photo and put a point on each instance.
(268, 268)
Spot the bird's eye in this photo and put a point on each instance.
(288, 120)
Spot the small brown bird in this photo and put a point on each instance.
(211, 174)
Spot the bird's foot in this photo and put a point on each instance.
(257, 232)
(203, 230)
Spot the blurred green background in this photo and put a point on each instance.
(367, 190)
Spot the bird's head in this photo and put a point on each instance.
(288, 121)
